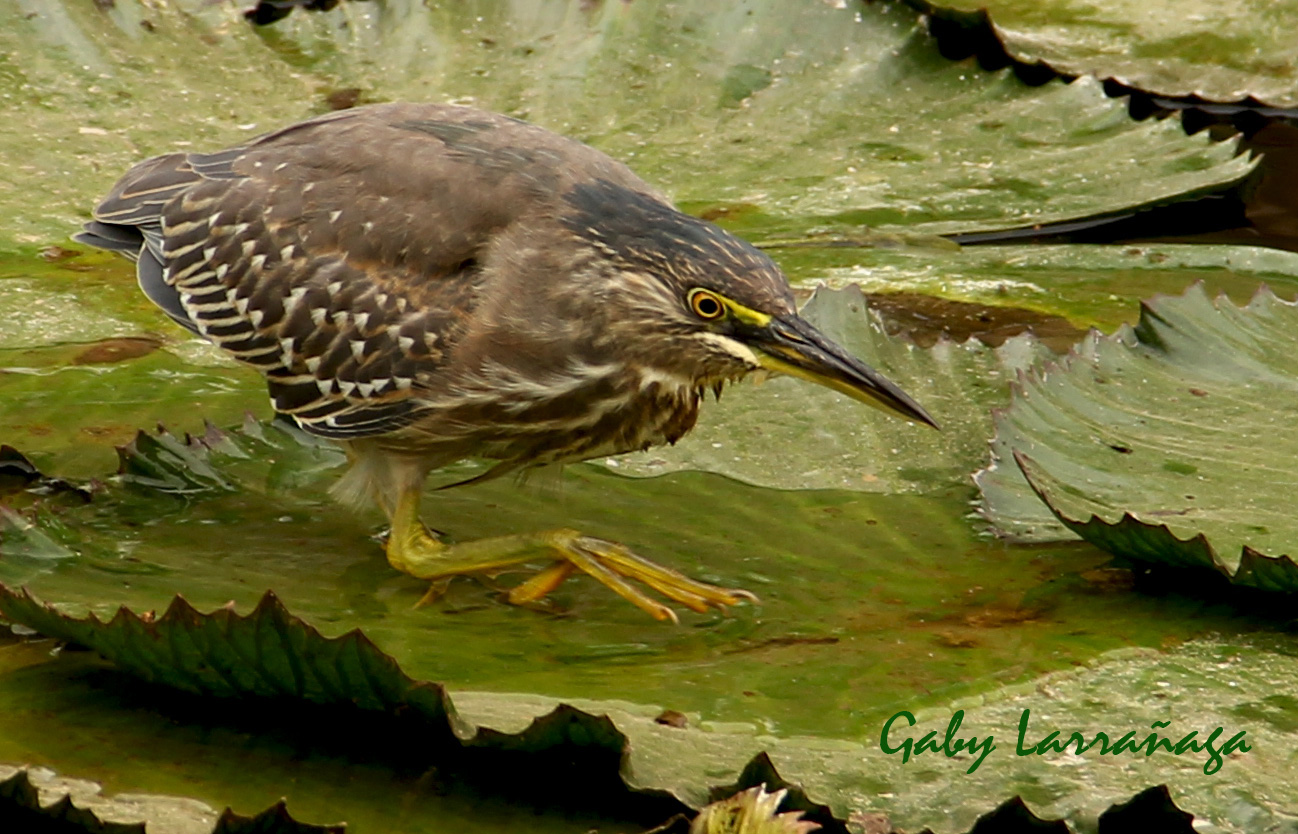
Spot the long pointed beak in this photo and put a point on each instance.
(790, 345)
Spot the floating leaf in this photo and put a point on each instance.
(1163, 443)
(1089, 284)
(209, 463)
(788, 434)
(1229, 52)
(751, 111)
(267, 653)
(168, 464)
(872, 600)
(1199, 685)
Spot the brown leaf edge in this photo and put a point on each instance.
(1150, 810)
(1015, 816)
(1150, 543)
(274, 820)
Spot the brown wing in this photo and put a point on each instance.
(341, 256)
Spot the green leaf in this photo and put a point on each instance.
(754, 110)
(787, 434)
(167, 464)
(170, 760)
(267, 653)
(1229, 52)
(214, 461)
(872, 600)
(1202, 685)
(1163, 443)
(813, 557)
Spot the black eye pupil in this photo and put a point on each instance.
(707, 307)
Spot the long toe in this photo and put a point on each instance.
(670, 583)
(613, 564)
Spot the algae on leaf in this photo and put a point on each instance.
(1166, 443)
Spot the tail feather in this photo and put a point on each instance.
(129, 221)
(127, 240)
(153, 282)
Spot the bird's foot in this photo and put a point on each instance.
(421, 555)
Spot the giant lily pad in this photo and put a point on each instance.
(163, 763)
(866, 607)
(256, 500)
(1090, 285)
(1222, 51)
(872, 601)
(1164, 442)
(812, 116)
(1201, 685)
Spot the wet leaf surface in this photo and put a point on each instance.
(806, 123)
(251, 514)
(1221, 51)
(757, 106)
(1197, 688)
(1159, 443)
(873, 602)
(158, 755)
(926, 320)
(866, 609)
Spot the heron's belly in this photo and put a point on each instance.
(563, 430)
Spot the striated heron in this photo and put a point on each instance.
(424, 283)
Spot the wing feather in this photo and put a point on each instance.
(341, 256)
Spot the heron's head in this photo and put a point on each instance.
(695, 302)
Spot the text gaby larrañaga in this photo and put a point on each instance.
(894, 739)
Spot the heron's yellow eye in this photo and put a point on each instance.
(706, 305)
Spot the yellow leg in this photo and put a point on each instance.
(412, 550)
